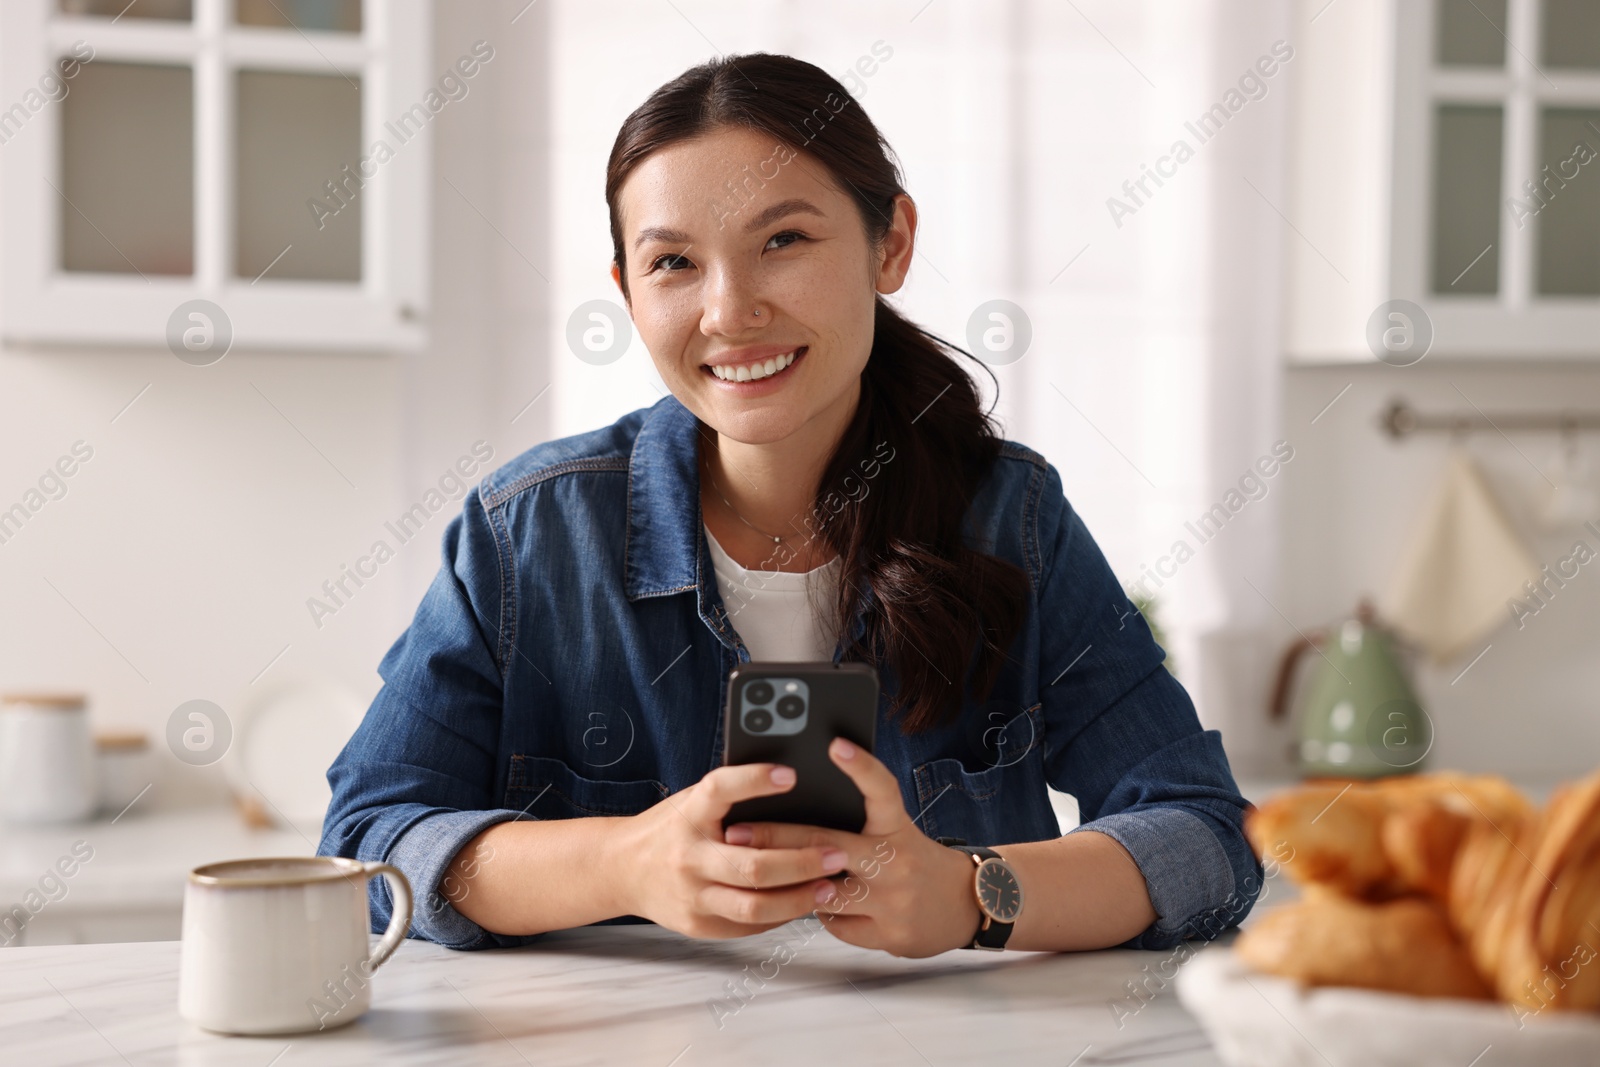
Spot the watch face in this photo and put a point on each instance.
(998, 891)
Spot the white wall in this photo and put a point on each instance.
(1531, 705)
(1352, 497)
(192, 539)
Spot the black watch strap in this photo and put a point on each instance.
(990, 934)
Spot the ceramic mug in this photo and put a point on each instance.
(280, 946)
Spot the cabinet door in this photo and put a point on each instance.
(244, 153)
(1496, 215)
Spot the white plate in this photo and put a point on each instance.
(283, 745)
(1259, 1020)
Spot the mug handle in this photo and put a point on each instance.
(400, 916)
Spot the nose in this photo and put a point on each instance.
(731, 305)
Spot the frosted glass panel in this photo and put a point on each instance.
(1569, 222)
(1466, 200)
(1571, 33)
(130, 9)
(127, 169)
(296, 134)
(337, 15)
(1472, 32)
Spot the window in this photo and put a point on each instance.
(220, 150)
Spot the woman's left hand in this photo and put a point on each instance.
(905, 894)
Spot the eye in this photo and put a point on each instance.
(796, 234)
(674, 262)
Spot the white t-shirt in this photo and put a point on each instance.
(773, 610)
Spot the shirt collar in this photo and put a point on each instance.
(663, 548)
(665, 552)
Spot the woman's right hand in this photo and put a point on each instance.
(681, 874)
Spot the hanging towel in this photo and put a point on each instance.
(1463, 565)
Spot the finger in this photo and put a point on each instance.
(723, 787)
(886, 809)
(758, 868)
(790, 835)
(720, 928)
(755, 906)
(858, 930)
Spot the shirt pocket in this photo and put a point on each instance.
(547, 788)
(993, 804)
(957, 802)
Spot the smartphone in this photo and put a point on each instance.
(788, 713)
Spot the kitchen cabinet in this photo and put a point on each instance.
(1445, 153)
(263, 165)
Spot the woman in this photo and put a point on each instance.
(545, 752)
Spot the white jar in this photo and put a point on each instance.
(122, 763)
(46, 758)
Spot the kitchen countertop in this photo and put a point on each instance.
(140, 860)
(143, 857)
(132, 888)
(633, 995)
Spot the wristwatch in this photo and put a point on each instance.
(998, 891)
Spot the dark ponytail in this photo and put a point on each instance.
(942, 615)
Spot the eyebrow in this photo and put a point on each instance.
(765, 217)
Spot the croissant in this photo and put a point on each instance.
(1401, 946)
(1528, 905)
(1327, 838)
(1384, 839)
(1437, 885)
(1490, 859)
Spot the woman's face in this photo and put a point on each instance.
(718, 228)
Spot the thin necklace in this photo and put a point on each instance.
(770, 537)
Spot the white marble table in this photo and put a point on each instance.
(637, 995)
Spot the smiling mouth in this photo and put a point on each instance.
(756, 371)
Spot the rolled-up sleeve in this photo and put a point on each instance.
(414, 784)
(1123, 738)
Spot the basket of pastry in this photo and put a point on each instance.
(1442, 918)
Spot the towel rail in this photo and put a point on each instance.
(1400, 420)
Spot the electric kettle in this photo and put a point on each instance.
(1357, 715)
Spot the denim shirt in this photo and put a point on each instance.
(571, 657)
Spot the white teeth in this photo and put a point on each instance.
(749, 372)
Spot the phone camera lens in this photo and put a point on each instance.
(758, 693)
(758, 721)
(791, 707)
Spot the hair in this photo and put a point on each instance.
(934, 603)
